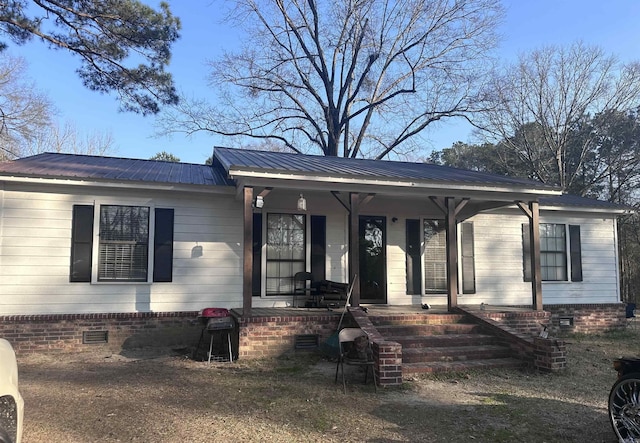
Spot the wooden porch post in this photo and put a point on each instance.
(354, 246)
(532, 211)
(534, 235)
(247, 272)
(452, 253)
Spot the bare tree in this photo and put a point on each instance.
(541, 105)
(68, 139)
(345, 77)
(24, 111)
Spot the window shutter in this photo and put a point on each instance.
(468, 261)
(526, 252)
(256, 277)
(576, 252)
(318, 247)
(81, 243)
(163, 246)
(413, 256)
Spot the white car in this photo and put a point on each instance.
(11, 402)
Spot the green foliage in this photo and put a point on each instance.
(166, 157)
(110, 37)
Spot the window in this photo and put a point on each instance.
(435, 256)
(555, 257)
(124, 243)
(553, 252)
(286, 251)
(428, 239)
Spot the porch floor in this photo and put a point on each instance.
(374, 309)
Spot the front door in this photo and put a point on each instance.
(373, 270)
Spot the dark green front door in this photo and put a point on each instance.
(373, 270)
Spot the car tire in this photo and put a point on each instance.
(624, 408)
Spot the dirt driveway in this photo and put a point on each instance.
(170, 398)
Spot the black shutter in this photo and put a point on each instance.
(256, 276)
(318, 247)
(413, 257)
(81, 243)
(163, 246)
(576, 252)
(468, 261)
(526, 252)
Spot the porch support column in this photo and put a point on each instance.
(354, 246)
(532, 211)
(452, 253)
(247, 271)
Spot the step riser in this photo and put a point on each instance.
(456, 328)
(439, 319)
(456, 367)
(434, 342)
(453, 356)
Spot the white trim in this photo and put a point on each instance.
(95, 252)
(444, 186)
(205, 189)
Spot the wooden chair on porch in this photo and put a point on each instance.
(302, 286)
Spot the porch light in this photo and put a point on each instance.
(302, 203)
(259, 201)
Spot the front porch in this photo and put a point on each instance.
(451, 338)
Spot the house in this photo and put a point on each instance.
(89, 244)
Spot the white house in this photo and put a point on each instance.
(84, 236)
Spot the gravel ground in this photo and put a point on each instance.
(169, 398)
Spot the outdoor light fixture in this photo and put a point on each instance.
(259, 201)
(302, 203)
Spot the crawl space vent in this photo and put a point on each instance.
(95, 337)
(307, 341)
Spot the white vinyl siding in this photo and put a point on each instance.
(36, 244)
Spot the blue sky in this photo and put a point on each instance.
(529, 24)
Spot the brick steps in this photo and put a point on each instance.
(444, 343)
(460, 366)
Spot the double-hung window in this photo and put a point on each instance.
(286, 251)
(130, 240)
(124, 243)
(560, 260)
(426, 255)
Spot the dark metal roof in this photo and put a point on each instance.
(568, 200)
(55, 165)
(242, 159)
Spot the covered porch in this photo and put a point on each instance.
(372, 217)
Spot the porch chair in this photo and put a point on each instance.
(354, 355)
(300, 287)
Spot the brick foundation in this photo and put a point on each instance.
(587, 318)
(64, 332)
(276, 335)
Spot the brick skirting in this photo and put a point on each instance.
(587, 318)
(64, 332)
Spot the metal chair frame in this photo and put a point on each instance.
(347, 335)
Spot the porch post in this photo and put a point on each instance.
(247, 271)
(534, 235)
(354, 247)
(452, 253)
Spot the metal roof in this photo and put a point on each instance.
(88, 167)
(575, 201)
(248, 160)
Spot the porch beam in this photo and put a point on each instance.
(247, 270)
(532, 211)
(354, 246)
(452, 253)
